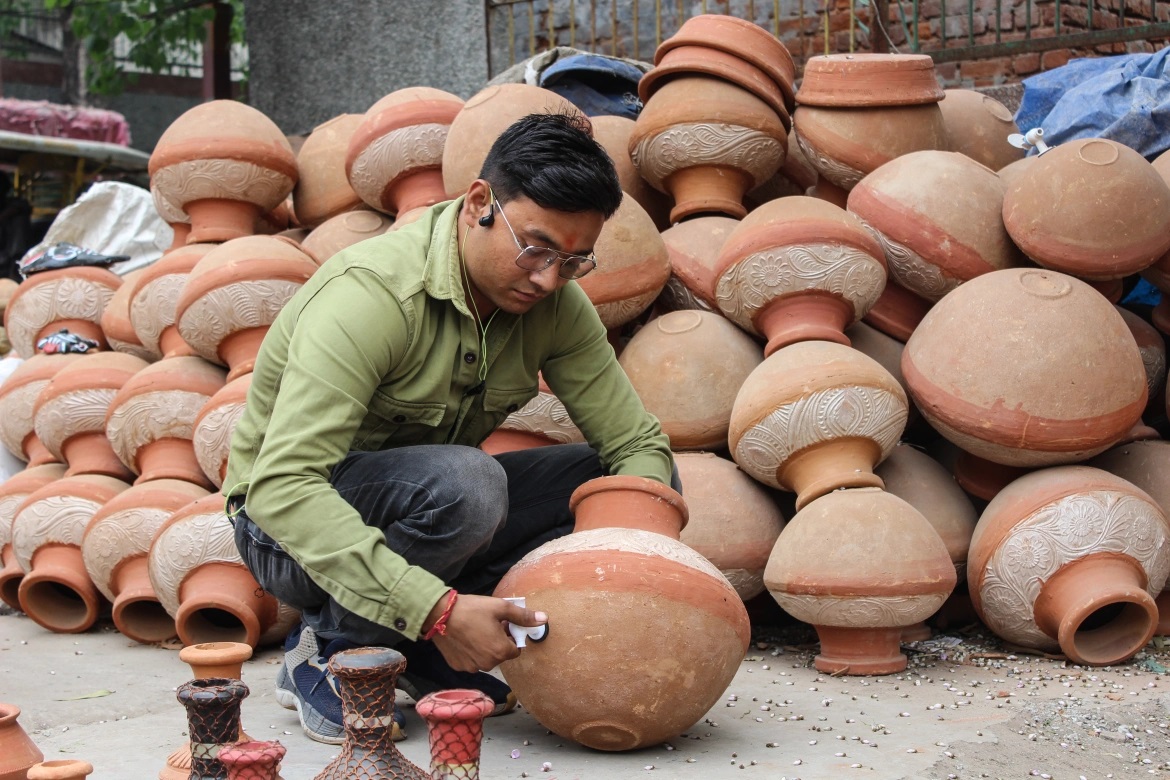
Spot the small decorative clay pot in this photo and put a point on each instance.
(252, 760)
(212, 434)
(336, 233)
(455, 729)
(978, 126)
(539, 423)
(17, 752)
(323, 189)
(155, 294)
(860, 79)
(18, 397)
(61, 769)
(116, 323)
(613, 133)
(70, 298)
(693, 248)
(12, 494)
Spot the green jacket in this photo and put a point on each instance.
(378, 350)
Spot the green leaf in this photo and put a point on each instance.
(94, 695)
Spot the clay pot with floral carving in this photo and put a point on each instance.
(17, 751)
(1070, 559)
(18, 395)
(203, 584)
(175, 217)
(13, 492)
(344, 230)
(212, 433)
(798, 269)
(395, 156)
(233, 295)
(116, 324)
(707, 143)
(322, 190)
(860, 565)
(613, 133)
(687, 367)
(114, 548)
(539, 423)
(1056, 386)
(693, 248)
(795, 177)
(225, 164)
(623, 595)
(978, 126)
(56, 591)
(70, 412)
(70, 298)
(814, 417)
(154, 295)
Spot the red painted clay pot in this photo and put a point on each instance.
(344, 230)
(323, 189)
(154, 296)
(693, 248)
(18, 397)
(212, 434)
(632, 266)
(116, 324)
(71, 298)
(860, 79)
(978, 126)
(17, 752)
(63, 769)
(253, 760)
(613, 133)
(455, 729)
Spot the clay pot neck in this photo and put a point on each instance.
(826, 466)
(708, 189)
(811, 316)
(171, 459)
(137, 612)
(221, 602)
(984, 478)
(215, 221)
(57, 592)
(65, 769)
(239, 351)
(628, 502)
(216, 659)
(181, 231)
(897, 312)
(171, 344)
(860, 650)
(418, 189)
(91, 453)
(455, 727)
(38, 454)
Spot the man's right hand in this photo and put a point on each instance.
(477, 638)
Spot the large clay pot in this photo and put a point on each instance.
(212, 433)
(897, 311)
(1070, 559)
(70, 412)
(862, 79)
(12, 494)
(337, 233)
(114, 548)
(539, 423)
(1057, 386)
(978, 126)
(224, 163)
(799, 269)
(17, 751)
(18, 395)
(116, 324)
(455, 730)
(70, 298)
(61, 769)
(795, 177)
(697, 60)
(613, 133)
(1151, 346)
(815, 417)
(644, 633)
(323, 189)
(860, 565)
(693, 248)
(687, 367)
(56, 591)
(733, 520)
(155, 294)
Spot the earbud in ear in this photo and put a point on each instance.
(487, 219)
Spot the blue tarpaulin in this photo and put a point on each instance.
(596, 84)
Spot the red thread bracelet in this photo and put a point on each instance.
(440, 626)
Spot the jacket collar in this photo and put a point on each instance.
(442, 274)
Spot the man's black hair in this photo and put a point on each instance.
(553, 160)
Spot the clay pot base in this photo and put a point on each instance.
(860, 651)
(804, 317)
(983, 478)
(827, 466)
(708, 190)
(919, 632)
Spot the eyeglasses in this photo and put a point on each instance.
(538, 258)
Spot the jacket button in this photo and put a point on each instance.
(512, 407)
(400, 624)
(400, 418)
(469, 357)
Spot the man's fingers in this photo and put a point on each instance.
(524, 617)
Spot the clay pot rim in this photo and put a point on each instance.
(455, 703)
(8, 713)
(846, 80)
(620, 482)
(218, 653)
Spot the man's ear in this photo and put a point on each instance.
(476, 203)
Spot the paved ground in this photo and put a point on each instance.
(965, 709)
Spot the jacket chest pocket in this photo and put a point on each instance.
(497, 405)
(390, 420)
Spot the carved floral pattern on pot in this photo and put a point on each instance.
(389, 157)
(184, 547)
(675, 296)
(67, 415)
(116, 323)
(167, 414)
(51, 520)
(18, 395)
(223, 180)
(214, 427)
(70, 297)
(13, 492)
(250, 304)
(861, 612)
(687, 145)
(618, 313)
(910, 270)
(835, 171)
(153, 309)
(547, 416)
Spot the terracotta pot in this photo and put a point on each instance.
(983, 478)
(886, 350)
(233, 295)
(155, 294)
(1009, 173)
(323, 189)
(1152, 347)
(799, 269)
(56, 590)
(613, 133)
(862, 79)
(539, 423)
(596, 679)
(213, 721)
(224, 163)
(62, 769)
(733, 520)
(212, 434)
(70, 412)
(17, 751)
(12, 494)
(693, 248)
(252, 760)
(1071, 558)
(395, 156)
(978, 126)
(1109, 219)
(174, 216)
(71, 298)
(795, 177)
(815, 417)
(344, 230)
(116, 324)
(18, 395)
(455, 729)
(687, 366)
(1057, 386)
(897, 311)
(828, 191)
(860, 565)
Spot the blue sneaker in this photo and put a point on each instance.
(427, 671)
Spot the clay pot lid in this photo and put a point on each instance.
(865, 79)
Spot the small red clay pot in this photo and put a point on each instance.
(212, 435)
(18, 397)
(862, 79)
(613, 133)
(116, 324)
(693, 248)
(17, 752)
(323, 189)
(343, 230)
(155, 294)
(71, 298)
(455, 728)
(63, 769)
(254, 760)
(12, 494)
(978, 126)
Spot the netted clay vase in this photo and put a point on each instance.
(978, 126)
(233, 295)
(212, 433)
(632, 266)
(56, 591)
(13, 492)
(118, 327)
(337, 233)
(225, 164)
(18, 395)
(1057, 386)
(860, 565)
(455, 731)
(687, 367)
(613, 133)
(322, 190)
(862, 79)
(1092, 208)
(17, 751)
(395, 156)
(799, 269)
(815, 417)
(70, 298)
(61, 769)
(1070, 559)
(70, 412)
(693, 248)
(154, 296)
(252, 760)
(707, 143)
(938, 217)
(483, 118)
(596, 679)
(733, 521)
(203, 584)
(151, 421)
(539, 423)
(114, 547)
(213, 721)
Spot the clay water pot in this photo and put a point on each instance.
(978, 126)
(826, 190)
(613, 133)
(862, 79)
(695, 60)
(483, 118)
(70, 412)
(1009, 173)
(70, 298)
(595, 679)
(114, 547)
(983, 478)
(213, 722)
(116, 324)
(815, 417)
(693, 248)
(252, 760)
(1070, 559)
(455, 730)
(795, 177)
(343, 230)
(886, 350)
(174, 216)
(224, 163)
(322, 190)
(61, 769)
(13, 492)
(1057, 386)
(686, 367)
(539, 423)
(860, 565)
(18, 395)
(733, 520)
(1092, 208)
(151, 420)
(154, 296)
(233, 295)
(56, 591)
(212, 434)
(17, 752)
(395, 156)
(799, 269)
(938, 217)
(897, 311)
(707, 143)
(632, 266)
(1152, 348)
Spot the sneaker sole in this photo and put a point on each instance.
(284, 697)
(328, 739)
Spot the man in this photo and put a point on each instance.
(354, 482)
